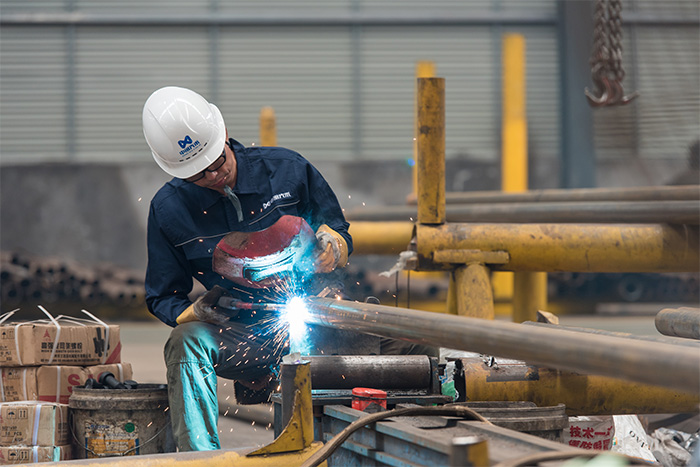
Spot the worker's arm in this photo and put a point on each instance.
(168, 275)
(331, 227)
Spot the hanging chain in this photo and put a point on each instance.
(606, 59)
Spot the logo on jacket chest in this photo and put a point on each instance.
(276, 197)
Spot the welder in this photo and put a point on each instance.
(222, 188)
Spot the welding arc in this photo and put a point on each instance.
(444, 410)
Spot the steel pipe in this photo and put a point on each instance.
(430, 145)
(681, 322)
(648, 193)
(377, 371)
(569, 247)
(676, 367)
(380, 238)
(597, 212)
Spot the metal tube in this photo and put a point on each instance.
(377, 371)
(582, 394)
(380, 238)
(473, 291)
(681, 322)
(672, 366)
(430, 144)
(624, 335)
(648, 193)
(597, 212)
(570, 247)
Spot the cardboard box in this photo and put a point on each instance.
(64, 341)
(33, 424)
(52, 383)
(32, 454)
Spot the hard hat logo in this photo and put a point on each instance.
(184, 142)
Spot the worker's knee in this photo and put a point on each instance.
(191, 342)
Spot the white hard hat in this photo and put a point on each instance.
(186, 133)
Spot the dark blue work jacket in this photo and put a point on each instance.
(186, 222)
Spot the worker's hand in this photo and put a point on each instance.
(205, 308)
(332, 250)
(327, 258)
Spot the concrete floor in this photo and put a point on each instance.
(143, 347)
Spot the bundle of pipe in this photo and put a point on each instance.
(27, 278)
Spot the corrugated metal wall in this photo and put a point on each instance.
(342, 90)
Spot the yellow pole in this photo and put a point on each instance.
(473, 291)
(514, 131)
(529, 289)
(268, 127)
(431, 150)
(424, 69)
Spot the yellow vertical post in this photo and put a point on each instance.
(473, 292)
(430, 143)
(268, 127)
(529, 288)
(514, 126)
(424, 69)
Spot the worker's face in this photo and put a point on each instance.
(218, 175)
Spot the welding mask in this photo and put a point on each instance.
(265, 258)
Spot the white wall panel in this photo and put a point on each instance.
(33, 103)
(303, 73)
(116, 71)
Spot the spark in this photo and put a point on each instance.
(139, 199)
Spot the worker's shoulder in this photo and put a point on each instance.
(274, 153)
(176, 194)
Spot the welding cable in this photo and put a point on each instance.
(535, 459)
(453, 410)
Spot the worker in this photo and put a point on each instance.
(219, 187)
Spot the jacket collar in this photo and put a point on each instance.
(204, 198)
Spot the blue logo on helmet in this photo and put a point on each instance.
(184, 142)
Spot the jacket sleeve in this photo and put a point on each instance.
(324, 206)
(168, 274)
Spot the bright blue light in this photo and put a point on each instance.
(411, 162)
(296, 315)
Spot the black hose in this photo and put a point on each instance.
(445, 410)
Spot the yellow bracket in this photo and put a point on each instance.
(299, 432)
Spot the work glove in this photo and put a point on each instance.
(205, 308)
(332, 250)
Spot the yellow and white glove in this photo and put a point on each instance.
(333, 250)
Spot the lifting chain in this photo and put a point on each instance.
(606, 59)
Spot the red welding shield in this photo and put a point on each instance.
(260, 259)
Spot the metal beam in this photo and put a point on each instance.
(569, 247)
(615, 212)
(647, 193)
(289, 18)
(671, 366)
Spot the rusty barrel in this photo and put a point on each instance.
(120, 422)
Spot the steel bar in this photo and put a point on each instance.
(648, 193)
(676, 367)
(570, 247)
(582, 394)
(624, 335)
(430, 145)
(604, 212)
(681, 322)
(377, 371)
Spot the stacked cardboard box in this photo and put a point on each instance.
(40, 363)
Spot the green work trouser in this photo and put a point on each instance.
(194, 355)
